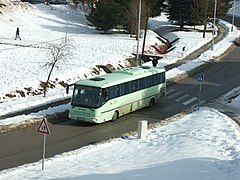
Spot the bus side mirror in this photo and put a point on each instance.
(67, 89)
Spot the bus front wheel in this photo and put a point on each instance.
(115, 116)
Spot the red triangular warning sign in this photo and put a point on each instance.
(43, 127)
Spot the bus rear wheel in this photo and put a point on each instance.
(151, 103)
(115, 116)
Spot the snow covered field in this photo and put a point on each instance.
(202, 145)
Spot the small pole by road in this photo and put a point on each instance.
(44, 150)
(43, 128)
(200, 78)
(142, 129)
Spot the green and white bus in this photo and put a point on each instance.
(107, 97)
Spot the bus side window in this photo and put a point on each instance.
(105, 94)
(117, 91)
(126, 87)
(156, 79)
(111, 92)
(121, 89)
(134, 86)
(149, 81)
(163, 77)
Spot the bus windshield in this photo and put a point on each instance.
(85, 96)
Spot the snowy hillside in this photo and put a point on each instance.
(22, 62)
(41, 25)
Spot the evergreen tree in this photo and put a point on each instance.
(150, 8)
(180, 11)
(122, 5)
(201, 10)
(109, 13)
(105, 15)
(155, 7)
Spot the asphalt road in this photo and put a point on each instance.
(229, 19)
(25, 146)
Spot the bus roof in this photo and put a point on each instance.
(120, 76)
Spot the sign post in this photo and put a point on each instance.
(43, 128)
(200, 78)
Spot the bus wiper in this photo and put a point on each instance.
(85, 105)
(89, 107)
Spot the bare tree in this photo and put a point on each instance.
(149, 10)
(131, 16)
(146, 15)
(58, 53)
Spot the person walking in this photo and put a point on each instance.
(155, 61)
(17, 34)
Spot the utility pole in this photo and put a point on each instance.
(233, 17)
(66, 28)
(138, 35)
(214, 23)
